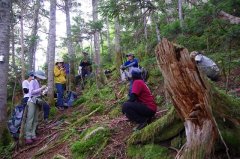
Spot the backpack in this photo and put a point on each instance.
(145, 74)
(14, 123)
(71, 97)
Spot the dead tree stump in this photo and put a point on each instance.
(190, 94)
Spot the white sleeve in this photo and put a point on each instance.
(25, 84)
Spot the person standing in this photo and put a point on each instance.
(25, 87)
(60, 82)
(141, 106)
(34, 103)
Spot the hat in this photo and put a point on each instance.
(30, 74)
(193, 54)
(59, 60)
(40, 74)
(130, 54)
(136, 73)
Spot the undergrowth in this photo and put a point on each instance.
(90, 141)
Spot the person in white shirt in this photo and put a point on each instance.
(25, 87)
(206, 65)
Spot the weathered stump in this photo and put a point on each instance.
(190, 94)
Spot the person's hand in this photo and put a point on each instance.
(43, 87)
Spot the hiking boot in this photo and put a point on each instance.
(28, 141)
(140, 126)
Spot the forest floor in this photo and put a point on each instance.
(49, 134)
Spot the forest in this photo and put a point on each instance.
(120, 79)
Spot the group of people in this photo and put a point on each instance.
(141, 106)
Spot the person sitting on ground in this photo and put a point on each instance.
(25, 87)
(141, 106)
(60, 81)
(205, 64)
(34, 103)
(132, 62)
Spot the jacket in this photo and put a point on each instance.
(59, 75)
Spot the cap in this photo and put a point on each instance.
(130, 54)
(136, 73)
(40, 74)
(30, 74)
(59, 60)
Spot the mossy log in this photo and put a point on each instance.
(160, 130)
(206, 112)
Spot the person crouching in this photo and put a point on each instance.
(141, 106)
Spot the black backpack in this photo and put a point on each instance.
(14, 123)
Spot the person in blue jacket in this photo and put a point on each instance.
(127, 67)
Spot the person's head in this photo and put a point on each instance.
(30, 75)
(40, 75)
(59, 62)
(130, 56)
(136, 73)
(193, 54)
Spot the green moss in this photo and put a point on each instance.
(162, 129)
(178, 141)
(90, 141)
(150, 151)
(79, 101)
(53, 112)
(232, 139)
(116, 112)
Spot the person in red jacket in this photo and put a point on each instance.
(141, 106)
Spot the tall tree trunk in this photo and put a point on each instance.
(118, 54)
(155, 22)
(13, 43)
(70, 47)
(22, 43)
(144, 10)
(180, 13)
(108, 41)
(5, 8)
(96, 36)
(190, 95)
(34, 38)
(51, 51)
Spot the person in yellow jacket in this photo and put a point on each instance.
(60, 81)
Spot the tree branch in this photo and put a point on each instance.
(232, 19)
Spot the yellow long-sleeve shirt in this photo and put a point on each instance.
(59, 75)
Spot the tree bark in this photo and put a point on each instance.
(108, 41)
(34, 38)
(118, 54)
(232, 19)
(70, 47)
(189, 92)
(5, 8)
(51, 51)
(23, 71)
(180, 13)
(96, 36)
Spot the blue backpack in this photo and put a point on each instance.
(14, 123)
(71, 97)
